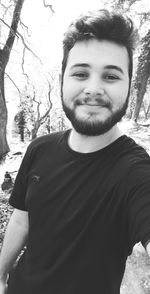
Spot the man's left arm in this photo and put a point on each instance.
(148, 248)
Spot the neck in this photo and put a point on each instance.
(86, 144)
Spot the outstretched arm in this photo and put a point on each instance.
(14, 241)
(148, 248)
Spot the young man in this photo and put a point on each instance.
(82, 197)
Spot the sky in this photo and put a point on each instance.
(48, 29)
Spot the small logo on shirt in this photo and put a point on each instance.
(35, 178)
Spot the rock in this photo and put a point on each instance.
(8, 182)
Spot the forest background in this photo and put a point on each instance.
(30, 105)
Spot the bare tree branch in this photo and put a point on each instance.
(13, 83)
(24, 26)
(38, 107)
(50, 103)
(8, 27)
(49, 6)
(22, 39)
(26, 46)
(12, 32)
(22, 65)
(40, 119)
(6, 8)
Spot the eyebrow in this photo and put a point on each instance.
(80, 65)
(115, 67)
(118, 68)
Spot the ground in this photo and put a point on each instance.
(137, 274)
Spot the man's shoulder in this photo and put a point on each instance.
(137, 160)
(135, 149)
(131, 159)
(46, 140)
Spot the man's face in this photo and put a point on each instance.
(95, 86)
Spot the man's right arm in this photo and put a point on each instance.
(14, 241)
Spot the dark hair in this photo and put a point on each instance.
(101, 25)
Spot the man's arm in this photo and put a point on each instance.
(148, 248)
(14, 241)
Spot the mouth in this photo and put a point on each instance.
(93, 104)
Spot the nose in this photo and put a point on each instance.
(94, 87)
(96, 92)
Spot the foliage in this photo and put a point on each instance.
(21, 122)
(142, 74)
(34, 109)
(41, 107)
(143, 60)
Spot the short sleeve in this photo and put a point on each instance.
(17, 198)
(139, 203)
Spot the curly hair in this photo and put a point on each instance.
(101, 25)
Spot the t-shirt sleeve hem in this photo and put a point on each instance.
(146, 240)
(20, 207)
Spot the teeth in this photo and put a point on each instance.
(90, 104)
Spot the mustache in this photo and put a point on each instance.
(91, 100)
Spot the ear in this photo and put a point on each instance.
(60, 83)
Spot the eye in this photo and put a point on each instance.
(111, 77)
(80, 75)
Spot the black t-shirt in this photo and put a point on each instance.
(86, 212)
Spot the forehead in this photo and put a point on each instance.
(98, 53)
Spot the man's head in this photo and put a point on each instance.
(100, 43)
(101, 25)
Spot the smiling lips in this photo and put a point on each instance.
(93, 103)
(97, 102)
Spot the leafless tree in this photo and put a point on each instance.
(4, 58)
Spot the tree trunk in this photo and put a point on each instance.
(4, 58)
(33, 133)
(4, 148)
(143, 74)
(140, 97)
(35, 129)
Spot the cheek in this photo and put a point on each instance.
(71, 90)
(67, 92)
(119, 94)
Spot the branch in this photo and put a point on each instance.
(26, 46)
(49, 6)
(23, 41)
(38, 105)
(13, 83)
(13, 30)
(24, 26)
(8, 27)
(50, 103)
(49, 96)
(6, 8)
(22, 65)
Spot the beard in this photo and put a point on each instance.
(95, 127)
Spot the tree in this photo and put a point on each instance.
(36, 110)
(143, 74)
(4, 58)
(20, 120)
(40, 118)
